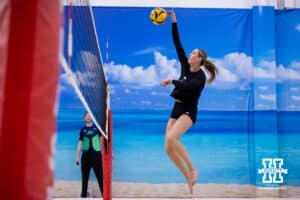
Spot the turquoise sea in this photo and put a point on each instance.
(226, 147)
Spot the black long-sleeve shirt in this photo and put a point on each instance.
(190, 84)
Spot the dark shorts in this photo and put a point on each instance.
(181, 108)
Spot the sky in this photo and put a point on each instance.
(250, 62)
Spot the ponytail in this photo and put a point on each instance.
(209, 66)
(212, 69)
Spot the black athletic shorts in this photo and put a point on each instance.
(181, 108)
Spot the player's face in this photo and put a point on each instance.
(88, 118)
(194, 56)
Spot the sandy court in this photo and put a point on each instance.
(71, 189)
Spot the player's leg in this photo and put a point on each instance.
(171, 149)
(85, 173)
(98, 170)
(176, 150)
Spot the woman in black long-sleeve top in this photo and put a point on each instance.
(186, 94)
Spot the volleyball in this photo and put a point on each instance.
(158, 16)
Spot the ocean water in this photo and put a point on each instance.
(226, 147)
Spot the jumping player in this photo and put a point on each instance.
(186, 93)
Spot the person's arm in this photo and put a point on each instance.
(79, 146)
(184, 85)
(188, 85)
(176, 40)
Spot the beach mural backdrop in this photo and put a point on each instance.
(251, 112)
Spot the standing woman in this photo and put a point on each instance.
(186, 94)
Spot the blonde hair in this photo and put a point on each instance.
(209, 66)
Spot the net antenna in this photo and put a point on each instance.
(85, 70)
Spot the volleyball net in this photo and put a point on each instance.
(82, 63)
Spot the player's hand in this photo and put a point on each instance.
(172, 14)
(166, 82)
(77, 161)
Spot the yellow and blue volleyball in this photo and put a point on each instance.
(158, 16)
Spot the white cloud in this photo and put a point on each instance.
(294, 65)
(262, 106)
(146, 103)
(294, 89)
(298, 27)
(83, 78)
(131, 91)
(235, 70)
(224, 74)
(284, 74)
(263, 87)
(62, 88)
(127, 91)
(166, 68)
(149, 50)
(265, 70)
(144, 76)
(295, 98)
(86, 78)
(89, 59)
(239, 64)
(269, 97)
(262, 73)
(155, 93)
(126, 74)
(293, 107)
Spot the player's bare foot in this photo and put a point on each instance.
(190, 184)
(194, 176)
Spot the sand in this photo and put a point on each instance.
(71, 189)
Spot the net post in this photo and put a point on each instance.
(28, 97)
(107, 153)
